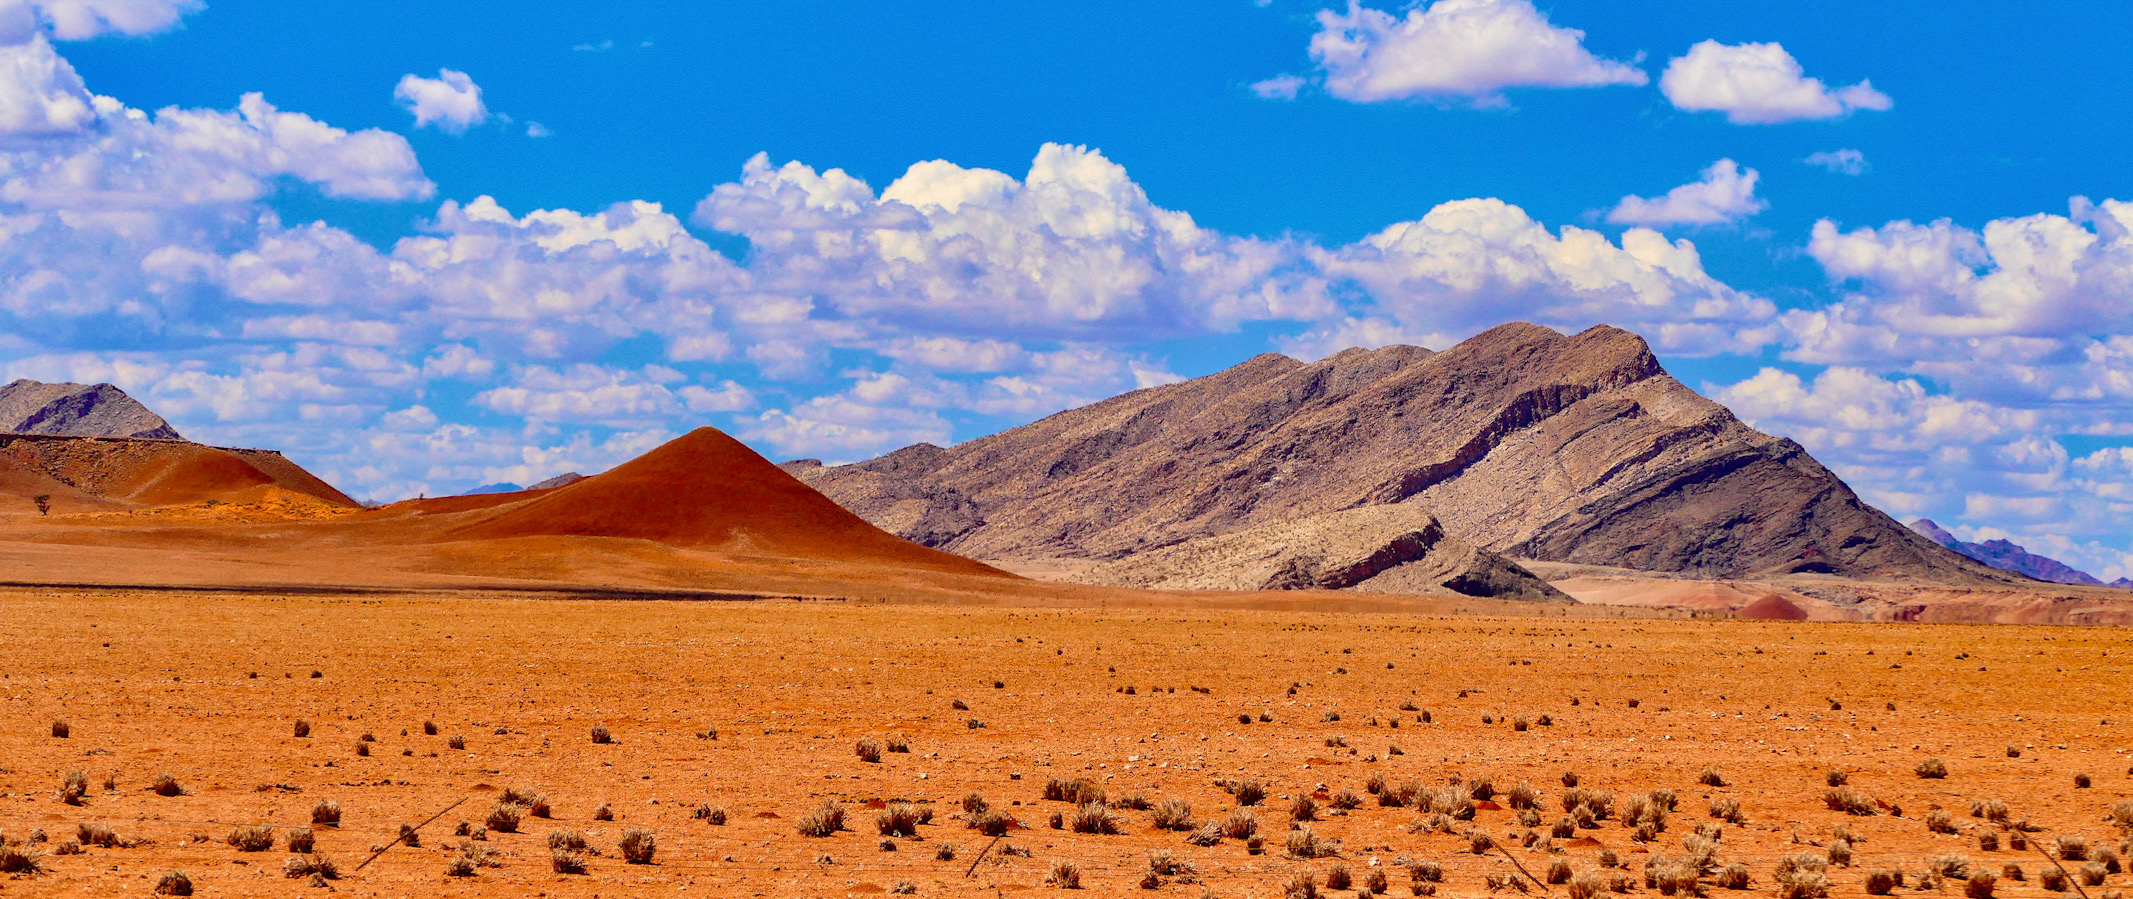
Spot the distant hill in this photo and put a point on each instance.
(1520, 441)
(78, 410)
(2009, 556)
(499, 487)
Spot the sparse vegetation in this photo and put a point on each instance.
(1881, 882)
(867, 750)
(73, 787)
(95, 834)
(302, 728)
(1173, 814)
(637, 846)
(1848, 801)
(1801, 875)
(301, 839)
(503, 818)
(174, 883)
(600, 734)
(899, 819)
(1064, 874)
(826, 819)
(1094, 818)
(327, 813)
(1932, 769)
(320, 866)
(258, 838)
(1711, 778)
(166, 785)
(564, 861)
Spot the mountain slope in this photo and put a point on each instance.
(1521, 440)
(2008, 556)
(159, 472)
(77, 410)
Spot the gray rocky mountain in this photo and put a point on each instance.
(77, 410)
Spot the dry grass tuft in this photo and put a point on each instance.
(1979, 886)
(1711, 778)
(1939, 821)
(302, 728)
(1248, 792)
(320, 866)
(1094, 817)
(60, 730)
(73, 787)
(1076, 792)
(600, 734)
(166, 785)
(1240, 824)
(1836, 777)
(1848, 801)
(258, 838)
(1732, 877)
(503, 818)
(1523, 796)
(899, 819)
(301, 839)
(20, 860)
(174, 883)
(1064, 874)
(1303, 808)
(1173, 814)
(95, 834)
(1801, 875)
(1339, 877)
(826, 819)
(1953, 865)
(867, 750)
(1932, 769)
(1881, 882)
(565, 861)
(638, 844)
(992, 823)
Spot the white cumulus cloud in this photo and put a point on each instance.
(451, 101)
(1758, 84)
(1279, 87)
(1843, 162)
(40, 93)
(72, 20)
(1725, 194)
(1455, 50)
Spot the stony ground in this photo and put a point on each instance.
(209, 689)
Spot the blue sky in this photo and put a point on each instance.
(486, 241)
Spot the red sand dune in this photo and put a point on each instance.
(706, 489)
(1772, 607)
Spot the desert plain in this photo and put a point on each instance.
(756, 707)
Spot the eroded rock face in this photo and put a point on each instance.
(77, 410)
(1521, 441)
(1398, 548)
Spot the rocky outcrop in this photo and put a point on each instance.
(1521, 441)
(78, 410)
(1399, 548)
(2007, 555)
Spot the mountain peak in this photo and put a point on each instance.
(77, 410)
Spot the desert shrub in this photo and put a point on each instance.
(1248, 792)
(1479, 842)
(826, 819)
(565, 861)
(2105, 856)
(1993, 810)
(1979, 886)
(1095, 817)
(899, 819)
(1240, 824)
(896, 743)
(95, 834)
(320, 866)
(1339, 877)
(258, 838)
(600, 734)
(429, 729)
(1600, 802)
(1207, 834)
(2052, 880)
(945, 852)
(1732, 877)
(1076, 792)
(1173, 814)
(1848, 801)
(1801, 875)
(974, 802)
(19, 860)
(1064, 874)
(904, 888)
(1564, 829)
(1374, 880)
(1558, 872)
(60, 730)
(458, 741)
(410, 836)
(363, 749)
(2122, 812)
(503, 818)
(1402, 794)
(1939, 821)
(303, 728)
(1953, 865)
(1836, 777)
(867, 750)
(1301, 843)
(166, 785)
(1346, 800)
(637, 845)
(1880, 882)
(1303, 808)
(1587, 886)
(1711, 778)
(2011, 871)
(1607, 858)
(2013, 751)
(1452, 801)
(1426, 871)
(2091, 874)
(2073, 849)
(2081, 781)
(1932, 769)
(2017, 841)
(1988, 841)
(1726, 809)
(1523, 796)
(174, 883)
(301, 839)
(991, 823)
(1840, 853)
(1570, 779)
(1136, 800)
(73, 787)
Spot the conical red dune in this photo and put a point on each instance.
(707, 489)
(1773, 607)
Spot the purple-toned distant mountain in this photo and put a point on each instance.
(2008, 556)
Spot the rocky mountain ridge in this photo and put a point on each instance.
(78, 410)
(2007, 555)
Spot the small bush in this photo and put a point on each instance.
(899, 819)
(458, 741)
(174, 883)
(896, 743)
(1208, 834)
(1173, 814)
(1801, 876)
(600, 734)
(1558, 872)
(1523, 796)
(1932, 769)
(605, 812)
(1076, 792)
(1880, 882)
(1939, 821)
(565, 861)
(2011, 871)
(2073, 849)
(1095, 818)
(1711, 778)
(1840, 853)
(1303, 808)
(1954, 866)
(429, 729)
(992, 823)
(638, 844)
(258, 838)
(320, 866)
(1302, 843)
(1993, 810)
(1848, 801)
(303, 728)
(301, 839)
(1240, 824)
(2091, 874)
(1064, 874)
(503, 818)
(1732, 877)
(2052, 880)
(1339, 877)
(2081, 781)
(867, 750)
(1479, 842)
(60, 730)
(1727, 810)
(825, 820)
(1988, 841)
(95, 834)
(166, 785)
(944, 852)
(73, 787)
(363, 749)
(1249, 793)
(19, 860)
(1587, 886)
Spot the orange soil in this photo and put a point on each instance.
(162, 681)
